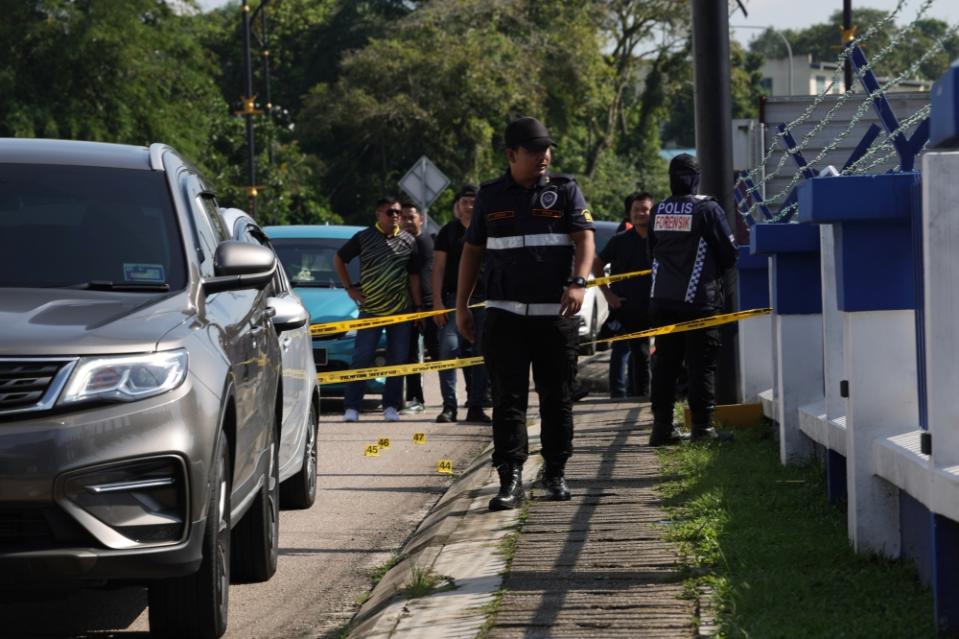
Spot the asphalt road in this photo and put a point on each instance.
(366, 508)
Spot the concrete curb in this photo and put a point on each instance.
(460, 541)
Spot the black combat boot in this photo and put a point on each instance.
(664, 434)
(510, 493)
(701, 433)
(555, 484)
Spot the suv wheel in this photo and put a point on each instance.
(299, 491)
(256, 537)
(197, 605)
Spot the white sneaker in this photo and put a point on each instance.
(351, 415)
(391, 415)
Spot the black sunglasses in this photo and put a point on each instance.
(392, 212)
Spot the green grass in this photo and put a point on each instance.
(776, 553)
(507, 550)
(423, 582)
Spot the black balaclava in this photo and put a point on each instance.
(684, 175)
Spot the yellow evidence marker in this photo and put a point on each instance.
(419, 438)
(445, 466)
(372, 450)
(383, 442)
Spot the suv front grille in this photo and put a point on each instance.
(27, 384)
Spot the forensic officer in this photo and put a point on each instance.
(537, 238)
(692, 246)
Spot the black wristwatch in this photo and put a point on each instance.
(576, 281)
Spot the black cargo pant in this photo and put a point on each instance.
(699, 349)
(513, 343)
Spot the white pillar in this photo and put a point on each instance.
(798, 378)
(880, 354)
(940, 195)
(833, 371)
(755, 357)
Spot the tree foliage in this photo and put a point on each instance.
(822, 41)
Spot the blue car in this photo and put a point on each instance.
(306, 253)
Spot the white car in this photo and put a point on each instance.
(595, 310)
(301, 394)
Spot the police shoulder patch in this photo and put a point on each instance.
(587, 215)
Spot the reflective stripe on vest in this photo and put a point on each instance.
(519, 308)
(519, 241)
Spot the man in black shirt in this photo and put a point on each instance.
(629, 299)
(412, 223)
(448, 249)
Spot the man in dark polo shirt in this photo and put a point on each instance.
(389, 284)
(447, 251)
(628, 299)
(412, 223)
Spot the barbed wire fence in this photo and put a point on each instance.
(879, 146)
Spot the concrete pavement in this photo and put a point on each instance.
(596, 566)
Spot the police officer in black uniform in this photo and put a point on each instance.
(692, 246)
(537, 237)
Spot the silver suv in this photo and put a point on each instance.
(140, 390)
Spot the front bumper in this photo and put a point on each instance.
(73, 507)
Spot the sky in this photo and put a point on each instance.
(798, 14)
(795, 14)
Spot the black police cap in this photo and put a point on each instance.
(527, 132)
(684, 163)
(465, 190)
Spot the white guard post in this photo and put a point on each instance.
(876, 296)
(795, 293)
(755, 333)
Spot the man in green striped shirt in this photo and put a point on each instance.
(389, 285)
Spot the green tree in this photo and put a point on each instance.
(446, 79)
(823, 42)
(127, 71)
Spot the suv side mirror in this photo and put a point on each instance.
(289, 314)
(239, 265)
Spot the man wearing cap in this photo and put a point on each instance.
(692, 246)
(537, 237)
(446, 263)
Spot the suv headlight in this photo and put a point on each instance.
(125, 379)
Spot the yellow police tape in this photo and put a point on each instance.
(691, 325)
(609, 279)
(329, 328)
(375, 322)
(360, 374)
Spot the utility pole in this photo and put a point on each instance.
(714, 149)
(848, 35)
(248, 112)
(266, 76)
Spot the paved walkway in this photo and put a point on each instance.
(597, 566)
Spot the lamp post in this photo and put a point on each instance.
(789, 49)
(248, 111)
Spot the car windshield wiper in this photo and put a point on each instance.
(314, 284)
(106, 285)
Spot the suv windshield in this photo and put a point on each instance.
(88, 227)
(309, 262)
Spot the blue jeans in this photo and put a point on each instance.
(397, 352)
(620, 370)
(452, 344)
